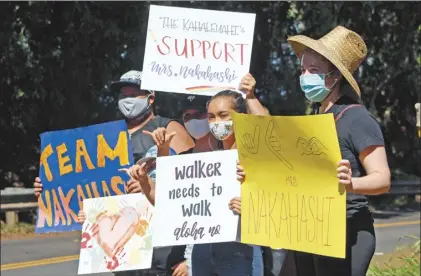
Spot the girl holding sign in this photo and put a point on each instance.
(232, 258)
(229, 258)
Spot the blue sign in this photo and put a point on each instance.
(80, 163)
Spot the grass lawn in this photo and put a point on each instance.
(404, 262)
(20, 229)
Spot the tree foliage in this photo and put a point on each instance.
(57, 59)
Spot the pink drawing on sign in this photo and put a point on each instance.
(116, 230)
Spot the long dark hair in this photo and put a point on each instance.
(238, 102)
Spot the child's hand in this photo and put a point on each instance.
(137, 172)
(81, 217)
(235, 205)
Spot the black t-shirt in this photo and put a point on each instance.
(357, 130)
(164, 258)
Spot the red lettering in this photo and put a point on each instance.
(228, 53)
(201, 48)
(192, 42)
(184, 48)
(205, 48)
(241, 52)
(168, 47)
(213, 50)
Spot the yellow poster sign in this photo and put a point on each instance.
(291, 197)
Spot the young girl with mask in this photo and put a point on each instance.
(195, 119)
(231, 258)
(240, 258)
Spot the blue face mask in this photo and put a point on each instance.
(314, 88)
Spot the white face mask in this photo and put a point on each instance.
(197, 128)
(221, 130)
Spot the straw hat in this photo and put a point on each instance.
(342, 47)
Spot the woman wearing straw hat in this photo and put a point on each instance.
(327, 65)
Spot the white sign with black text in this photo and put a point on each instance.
(192, 196)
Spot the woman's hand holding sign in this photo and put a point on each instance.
(241, 175)
(235, 205)
(345, 174)
(247, 85)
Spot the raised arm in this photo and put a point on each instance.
(162, 138)
(247, 85)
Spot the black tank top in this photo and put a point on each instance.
(142, 142)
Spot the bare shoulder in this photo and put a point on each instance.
(182, 140)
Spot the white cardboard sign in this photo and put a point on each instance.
(192, 196)
(196, 51)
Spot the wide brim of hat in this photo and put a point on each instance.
(300, 43)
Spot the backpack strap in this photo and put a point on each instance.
(337, 117)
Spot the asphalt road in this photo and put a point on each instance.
(58, 255)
